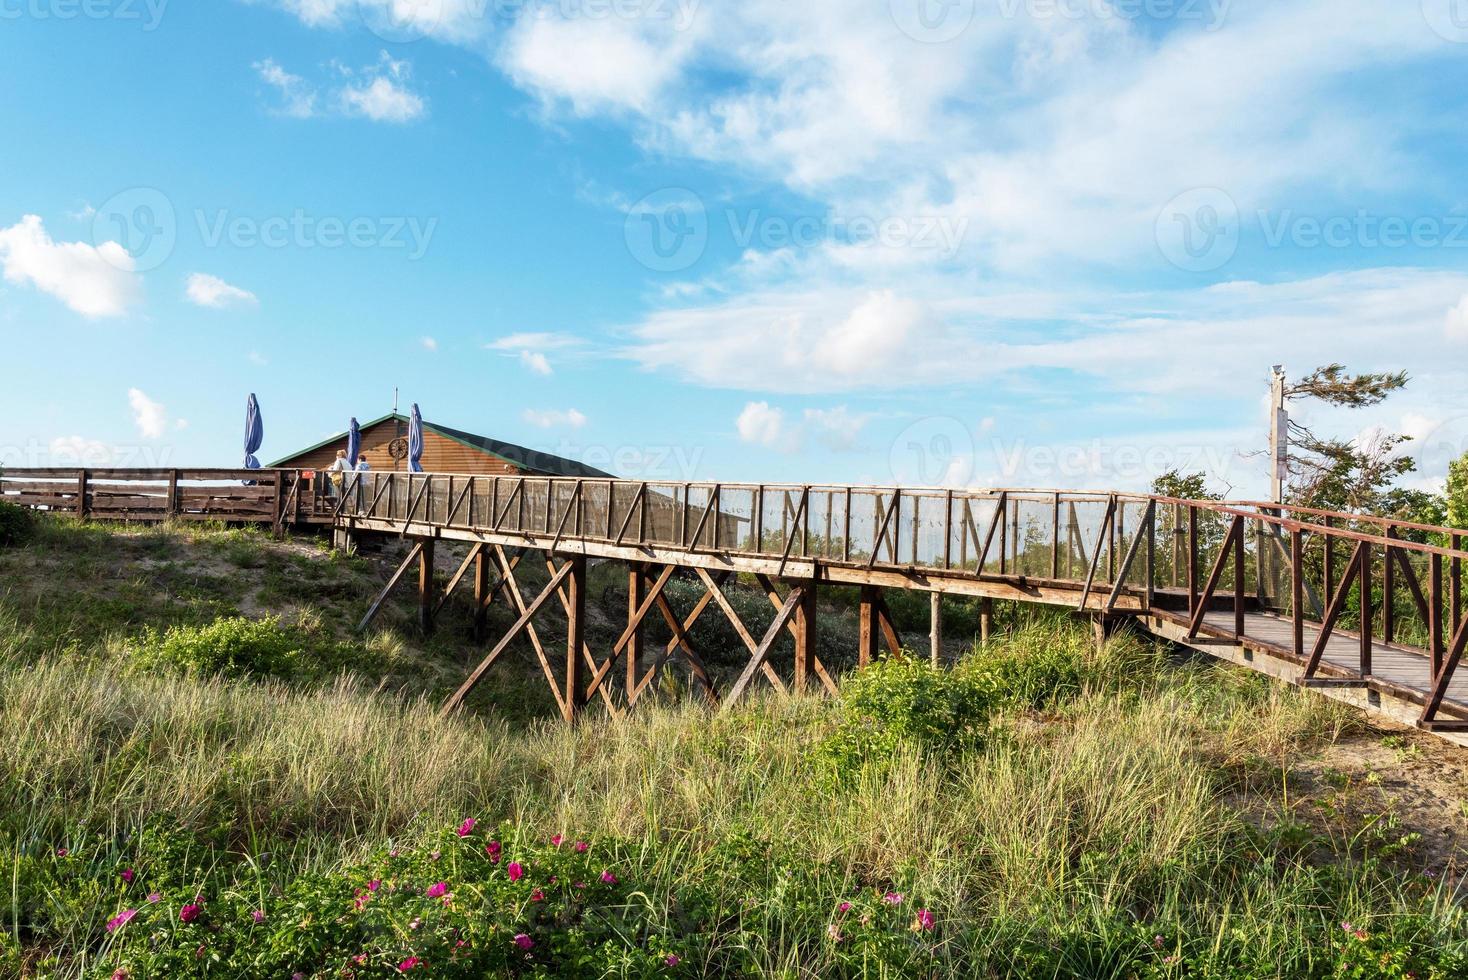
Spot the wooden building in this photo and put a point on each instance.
(445, 450)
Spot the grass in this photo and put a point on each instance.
(1127, 815)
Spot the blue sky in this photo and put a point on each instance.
(1019, 242)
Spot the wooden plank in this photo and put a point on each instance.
(392, 583)
(762, 652)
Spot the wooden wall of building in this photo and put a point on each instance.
(440, 454)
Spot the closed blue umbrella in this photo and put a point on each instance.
(415, 441)
(254, 432)
(354, 443)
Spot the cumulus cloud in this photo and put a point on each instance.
(1457, 322)
(80, 451)
(150, 416)
(95, 281)
(535, 361)
(760, 424)
(549, 418)
(379, 92)
(429, 344)
(216, 294)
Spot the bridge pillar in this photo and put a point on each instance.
(575, 698)
(636, 593)
(425, 586)
(481, 595)
(935, 626)
(805, 636)
(986, 619)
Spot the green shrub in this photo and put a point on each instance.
(239, 647)
(16, 525)
(902, 700)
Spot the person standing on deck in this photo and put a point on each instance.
(338, 467)
(362, 465)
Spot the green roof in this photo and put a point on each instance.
(531, 460)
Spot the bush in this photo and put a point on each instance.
(16, 525)
(239, 647)
(904, 700)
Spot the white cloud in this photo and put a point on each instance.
(760, 424)
(95, 281)
(835, 428)
(297, 97)
(429, 344)
(258, 359)
(214, 293)
(535, 361)
(378, 92)
(1456, 326)
(149, 416)
(382, 100)
(551, 417)
(534, 341)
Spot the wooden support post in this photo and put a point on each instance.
(1099, 630)
(1239, 582)
(805, 636)
(481, 594)
(1435, 614)
(1389, 590)
(172, 493)
(425, 586)
(575, 699)
(986, 619)
(636, 583)
(1192, 561)
(81, 494)
(935, 627)
(1364, 580)
(1297, 589)
(866, 650)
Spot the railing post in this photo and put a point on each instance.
(1389, 590)
(948, 529)
(1456, 588)
(172, 493)
(1364, 577)
(1192, 562)
(1239, 581)
(81, 494)
(1055, 538)
(1297, 588)
(1329, 559)
(1435, 613)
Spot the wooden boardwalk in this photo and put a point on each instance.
(1284, 590)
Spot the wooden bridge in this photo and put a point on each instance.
(1362, 609)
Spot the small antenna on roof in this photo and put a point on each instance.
(395, 400)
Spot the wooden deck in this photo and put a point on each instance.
(1188, 571)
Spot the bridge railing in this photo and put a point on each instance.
(148, 494)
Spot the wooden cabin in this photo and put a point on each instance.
(445, 450)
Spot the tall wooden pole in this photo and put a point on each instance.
(935, 629)
(805, 636)
(1279, 435)
(636, 584)
(425, 586)
(867, 630)
(481, 594)
(575, 635)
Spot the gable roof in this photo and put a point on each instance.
(532, 460)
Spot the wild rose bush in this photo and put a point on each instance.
(471, 901)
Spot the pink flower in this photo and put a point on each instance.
(556, 840)
(120, 919)
(436, 855)
(191, 912)
(437, 890)
(493, 850)
(581, 846)
(671, 959)
(580, 884)
(127, 875)
(608, 878)
(844, 907)
(374, 884)
(258, 915)
(515, 871)
(537, 896)
(892, 898)
(924, 920)
(467, 827)
(408, 964)
(523, 941)
(120, 974)
(359, 959)
(62, 852)
(154, 898)
(1157, 942)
